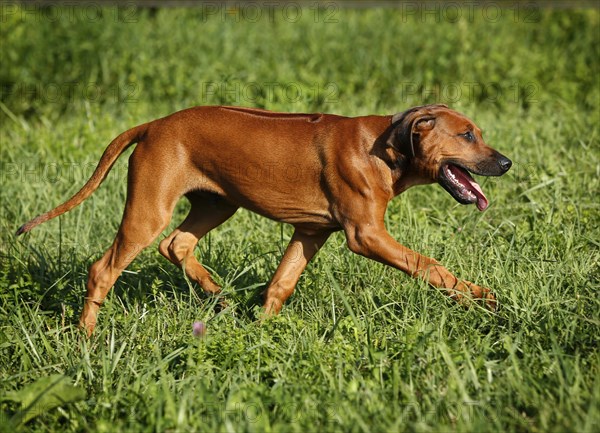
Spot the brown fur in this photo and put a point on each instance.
(319, 172)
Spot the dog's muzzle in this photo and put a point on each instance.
(457, 180)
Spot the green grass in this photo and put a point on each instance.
(358, 347)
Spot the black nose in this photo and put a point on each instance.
(505, 163)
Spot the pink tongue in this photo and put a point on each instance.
(468, 181)
(482, 201)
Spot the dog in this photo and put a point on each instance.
(320, 173)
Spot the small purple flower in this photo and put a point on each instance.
(198, 329)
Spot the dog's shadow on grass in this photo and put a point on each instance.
(58, 283)
(243, 294)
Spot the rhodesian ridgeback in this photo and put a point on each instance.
(318, 172)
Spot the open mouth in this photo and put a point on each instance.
(459, 183)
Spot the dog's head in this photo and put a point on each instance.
(442, 145)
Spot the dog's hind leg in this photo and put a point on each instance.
(207, 212)
(147, 213)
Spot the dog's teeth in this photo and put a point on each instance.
(454, 179)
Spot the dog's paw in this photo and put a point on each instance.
(272, 306)
(479, 293)
(465, 292)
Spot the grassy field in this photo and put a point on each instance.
(358, 347)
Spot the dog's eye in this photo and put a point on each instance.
(468, 136)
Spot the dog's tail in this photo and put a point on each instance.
(109, 157)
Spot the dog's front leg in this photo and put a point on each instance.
(373, 241)
(301, 249)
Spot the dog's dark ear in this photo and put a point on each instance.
(412, 121)
(402, 124)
